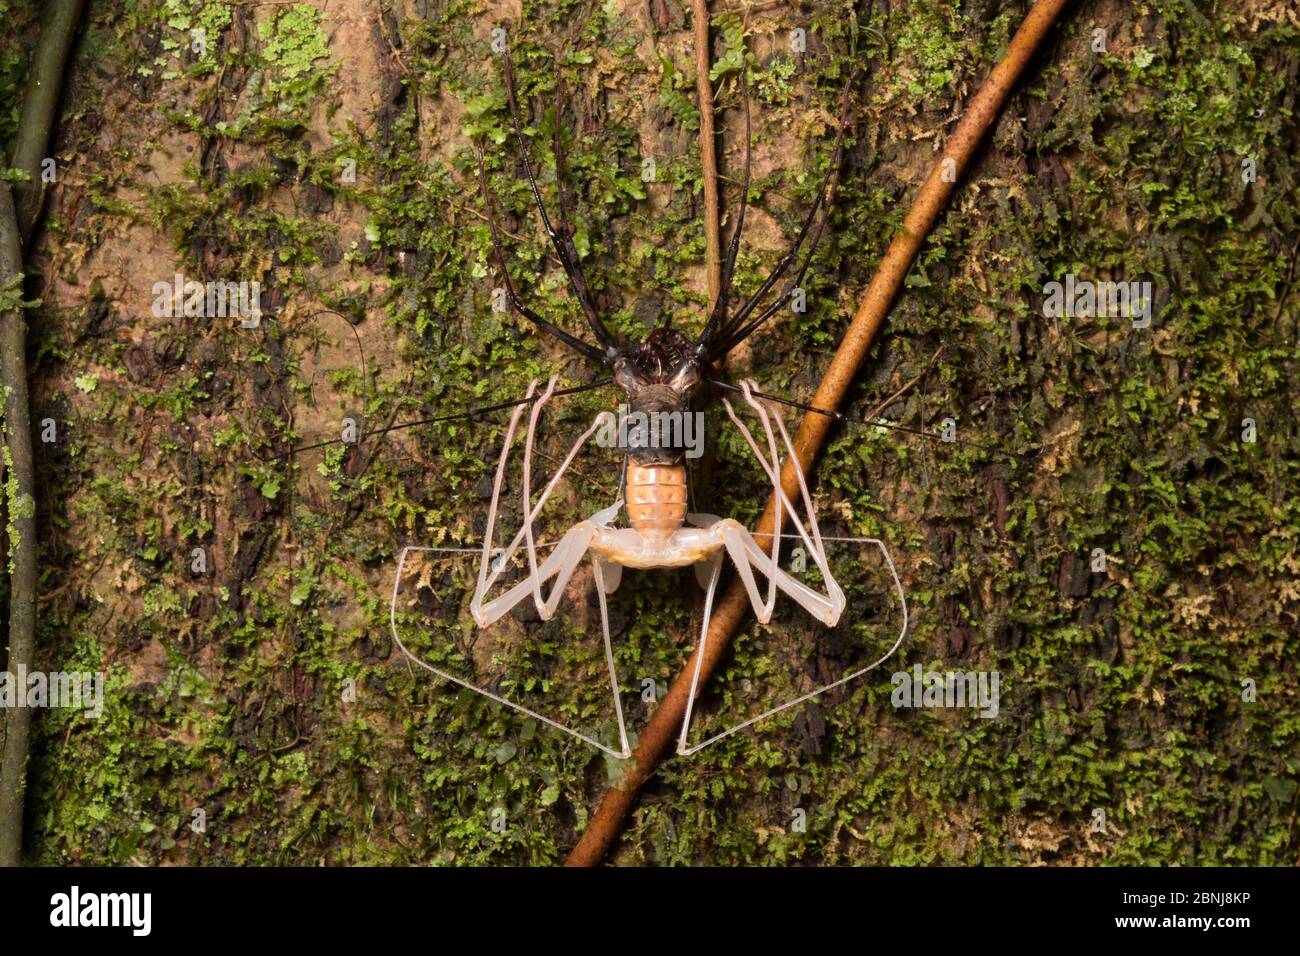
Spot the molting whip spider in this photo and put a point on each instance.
(666, 376)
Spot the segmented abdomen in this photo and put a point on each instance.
(656, 497)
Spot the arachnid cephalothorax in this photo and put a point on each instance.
(665, 375)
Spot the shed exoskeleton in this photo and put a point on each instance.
(667, 374)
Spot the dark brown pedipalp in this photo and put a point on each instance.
(661, 354)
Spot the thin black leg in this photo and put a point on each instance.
(736, 330)
(586, 348)
(564, 247)
(719, 313)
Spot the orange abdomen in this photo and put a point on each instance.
(656, 497)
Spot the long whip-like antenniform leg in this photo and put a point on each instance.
(460, 682)
(564, 247)
(564, 223)
(599, 572)
(715, 569)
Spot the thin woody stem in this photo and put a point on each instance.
(656, 738)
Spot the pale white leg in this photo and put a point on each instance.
(819, 552)
(397, 639)
(498, 482)
(602, 588)
(714, 565)
(527, 492)
(733, 535)
(703, 569)
(763, 611)
(746, 555)
(773, 469)
(559, 564)
(803, 698)
(491, 569)
(834, 597)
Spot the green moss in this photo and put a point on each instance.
(931, 41)
(233, 691)
(293, 43)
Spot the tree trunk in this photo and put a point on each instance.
(40, 108)
(21, 508)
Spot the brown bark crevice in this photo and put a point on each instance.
(730, 612)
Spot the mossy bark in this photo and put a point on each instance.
(20, 516)
(1123, 689)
